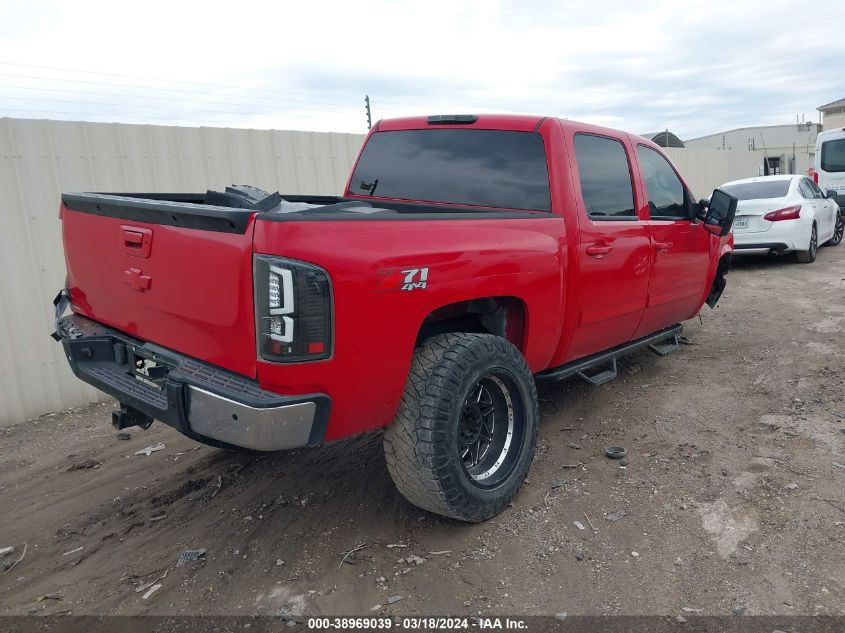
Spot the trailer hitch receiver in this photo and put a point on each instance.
(127, 416)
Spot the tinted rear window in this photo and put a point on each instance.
(833, 155)
(489, 168)
(605, 176)
(758, 190)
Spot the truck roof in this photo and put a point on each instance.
(510, 122)
(515, 122)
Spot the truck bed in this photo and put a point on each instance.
(190, 210)
(173, 269)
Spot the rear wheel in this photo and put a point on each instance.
(809, 256)
(464, 436)
(838, 230)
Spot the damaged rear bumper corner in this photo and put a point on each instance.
(204, 402)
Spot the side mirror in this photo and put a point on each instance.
(831, 194)
(701, 213)
(720, 213)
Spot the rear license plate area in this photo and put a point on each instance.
(741, 223)
(148, 368)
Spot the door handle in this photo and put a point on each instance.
(599, 250)
(662, 247)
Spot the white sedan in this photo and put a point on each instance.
(779, 214)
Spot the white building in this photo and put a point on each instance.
(834, 114)
(782, 149)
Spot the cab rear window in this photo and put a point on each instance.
(833, 155)
(488, 168)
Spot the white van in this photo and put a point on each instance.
(830, 163)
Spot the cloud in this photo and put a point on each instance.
(694, 67)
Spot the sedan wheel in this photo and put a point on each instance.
(838, 230)
(809, 256)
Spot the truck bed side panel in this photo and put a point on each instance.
(376, 323)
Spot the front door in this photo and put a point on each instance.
(613, 248)
(680, 246)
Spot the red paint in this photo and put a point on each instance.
(578, 286)
(198, 294)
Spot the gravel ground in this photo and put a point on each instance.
(731, 500)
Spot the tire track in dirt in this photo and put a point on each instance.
(716, 434)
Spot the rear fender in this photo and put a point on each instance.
(501, 316)
(389, 277)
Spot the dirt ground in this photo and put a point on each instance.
(732, 499)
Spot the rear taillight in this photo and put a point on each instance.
(293, 310)
(816, 177)
(787, 213)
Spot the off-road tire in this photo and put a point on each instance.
(422, 445)
(809, 256)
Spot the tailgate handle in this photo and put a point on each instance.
(136, 241)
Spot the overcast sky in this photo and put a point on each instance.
(692, 67)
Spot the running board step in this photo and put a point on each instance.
(601, 377)
(665, 347)
(661, 343)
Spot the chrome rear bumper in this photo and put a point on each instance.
(267, 429)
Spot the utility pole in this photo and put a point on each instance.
(765, 156)
(369, 113)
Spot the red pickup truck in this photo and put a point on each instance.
(468, 257)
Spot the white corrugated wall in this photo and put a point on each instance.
(40, 159)
(706, 169)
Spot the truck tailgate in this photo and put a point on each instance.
(180, 277)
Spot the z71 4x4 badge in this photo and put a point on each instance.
(405, 278)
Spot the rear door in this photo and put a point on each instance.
(680, 247)
(811, 201)
(824, 207)
(613, 246)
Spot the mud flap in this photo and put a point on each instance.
(719, 281)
